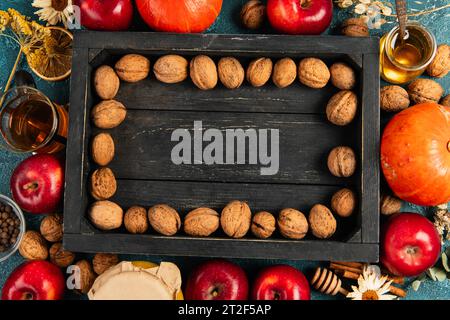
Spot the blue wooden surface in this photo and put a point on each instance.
(228, 22)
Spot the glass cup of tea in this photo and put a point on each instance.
(29, 121)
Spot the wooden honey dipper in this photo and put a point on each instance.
(327, 282)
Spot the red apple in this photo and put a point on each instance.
(34, 280)
(410, 244)
(37, 183)
(300, 16)
(217, 280)
(108, 15)
(281, 282)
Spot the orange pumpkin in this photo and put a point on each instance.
(415, 154)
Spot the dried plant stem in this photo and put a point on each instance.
(11, 75)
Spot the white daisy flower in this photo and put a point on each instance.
(55, 11)
(371, 286)
(360, 8)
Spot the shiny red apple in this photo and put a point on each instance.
(217, 280)
(106, 15)
(300, 16)
(281, 282)
(37, 184)
(410, 244)
(34, 280)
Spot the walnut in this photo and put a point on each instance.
(342, 162)
(322, 222)
(393, 99)
(106, 82)
(103, 184)
(292, 224)
(171, 69)
(164, 219)
(445, 101)
(236, 218)
(62, 258)
(102, 149)
(284, 72)
(341, 109)
(259, 72)
(425, 90)
(263, 224)
(133, 68)
(343, 202)
(108, 114)
(342, 76)
(390, 205)
(231, 73)
(87, 276)
(33, 246)
(203, 72)
(440, 65)
(313, 72)
(135, 220)
(106, 215)
(52, 228)
(253, 14)
(201, 222)
(103, 261)
(355, 27)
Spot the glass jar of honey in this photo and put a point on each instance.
(403, 60)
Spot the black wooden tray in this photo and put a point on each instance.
(147, 176)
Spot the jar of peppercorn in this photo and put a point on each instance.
(12, 227)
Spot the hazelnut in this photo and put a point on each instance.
(253, 14)
(393, 99)
(52, 228)
(284, 72)
(355, 27)
(425, 90)
(342, 76)
(133, 68)
(108, 114)
(106, 215)
(341, 109)
(445, 101)
(87, 276)
(342, 162)
(103, 261)
(440, 65)
(33, 246)
(231, 73)
(203, 72)
(103, 184)
(62, 258)
(236, 218)
(390, 205)
(201, 222)
(259, 72)
(292, 224)
(171, 69)
(164, 219)
(106, 82)
(263, 225)
(343, 202)
(322, 222)
(135, 220)
(313, 72)
(102, 149)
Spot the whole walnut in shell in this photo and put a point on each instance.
(106, 82)
(425, 90)
(201, 222)
(263, 224)
(342, 162)
(52, 228)
(133, 68)
(342, 76)
(106, 215)
(341, 109)
(322, 222)
(236, 218)
(445, 101)
(164, 219)
(87, 276)
(171, 68)
(102, 149)
(231, 72)
(108, 114)
(62, 258)
(343, 202)
(135, 220)
(33, 246)
(440, 65)
(390, 204)
(313, 72)
(284, 72)
(259, 72)
(103, 184)
(253, 14)
(103, 261)
(355, 27)
(203, 72)
(292, 224)
(393, 99)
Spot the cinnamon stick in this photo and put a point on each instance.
(357, 265)
(336, 266)
(353, 267)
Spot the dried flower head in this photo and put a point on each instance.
(4, 20)
(55, 11)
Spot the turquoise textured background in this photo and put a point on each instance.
(228, 22)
